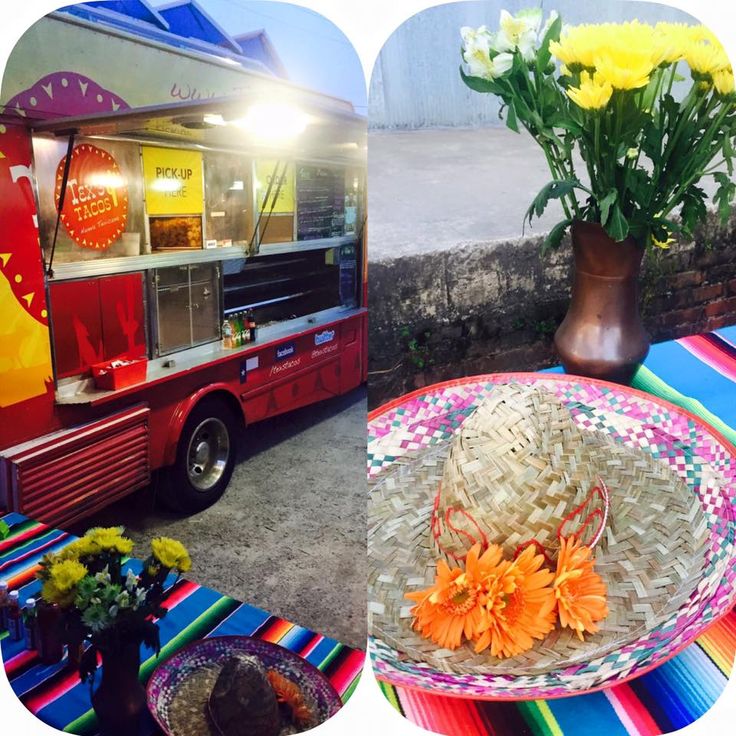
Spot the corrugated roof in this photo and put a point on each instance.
(182, 24)
(138, 9)
(257, 45)
(188, 19)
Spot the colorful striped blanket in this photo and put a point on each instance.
(55, 694)
(699, 374)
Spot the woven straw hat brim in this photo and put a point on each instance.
(652, 558)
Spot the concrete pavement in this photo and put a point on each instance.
(289, 535)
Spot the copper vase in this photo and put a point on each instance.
(602, 335)
(120, 700)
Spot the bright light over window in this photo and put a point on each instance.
(274, 121)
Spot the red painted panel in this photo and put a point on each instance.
(67, 475)
(26, 384)
(77, 326)
(123, 316)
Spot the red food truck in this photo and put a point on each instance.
(169, 274)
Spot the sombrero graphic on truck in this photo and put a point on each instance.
(168, 233)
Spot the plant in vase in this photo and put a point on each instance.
(114, 612)
(608, 99)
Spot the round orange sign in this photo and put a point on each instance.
(96, 202)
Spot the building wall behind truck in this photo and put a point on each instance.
(416, 83)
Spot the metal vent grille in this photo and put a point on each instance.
(63, 477)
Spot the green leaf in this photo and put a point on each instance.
(641, 187)
(618, 227)
(728, 153)
(511, 118)
(605, 205)
(555, 235)
(693, 209)
(543, 55)
(576, 113)
(4, 530)
(555, 189)
(724, 196)
(479, 84)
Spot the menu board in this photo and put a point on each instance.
(320, 202)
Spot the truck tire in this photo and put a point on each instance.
(205, 458)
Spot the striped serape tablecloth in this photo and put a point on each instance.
(697, 373)
(55, 694)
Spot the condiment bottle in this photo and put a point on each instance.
(252, 326)
(49, 621)
(227, 335)
(234, 324)
(3, 604)
(31, 624)
(15, 617)
(241, 328)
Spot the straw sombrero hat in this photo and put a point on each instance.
(522, 461)
(180, 689)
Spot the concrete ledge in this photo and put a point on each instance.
(494, 306)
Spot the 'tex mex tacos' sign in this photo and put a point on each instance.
(96, 202)
(173, 180)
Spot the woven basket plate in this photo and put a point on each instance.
(668, 556)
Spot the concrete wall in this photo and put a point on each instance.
(490, 307)
(416, 83)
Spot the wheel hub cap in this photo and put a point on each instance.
(208, 453)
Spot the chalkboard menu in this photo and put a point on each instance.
(320, 202)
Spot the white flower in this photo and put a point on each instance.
(522, 32)
(104, 576)
(123, 599)
(140, 597)
(477, 54)
(131, 580)
(113, 611)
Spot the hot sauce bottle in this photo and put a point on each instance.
(3, 604)
(15, 617)
(31, 624)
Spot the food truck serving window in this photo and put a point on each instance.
(103, 215)
(228, 205)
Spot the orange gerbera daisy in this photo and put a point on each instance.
(452, 607)
(289, 693)
(519, 604)
(580, 592)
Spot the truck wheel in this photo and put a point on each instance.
(205, 458)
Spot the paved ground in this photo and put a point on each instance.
(430, 190)
(434, 189)
(289, 535)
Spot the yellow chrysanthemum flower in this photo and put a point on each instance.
(171, 553)
(592, 94)
(624, 68)
(51, 594)
(670, 41)
(577, 46)
(107, 539)
(723, 81)
(705, 58)
(67, 574)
